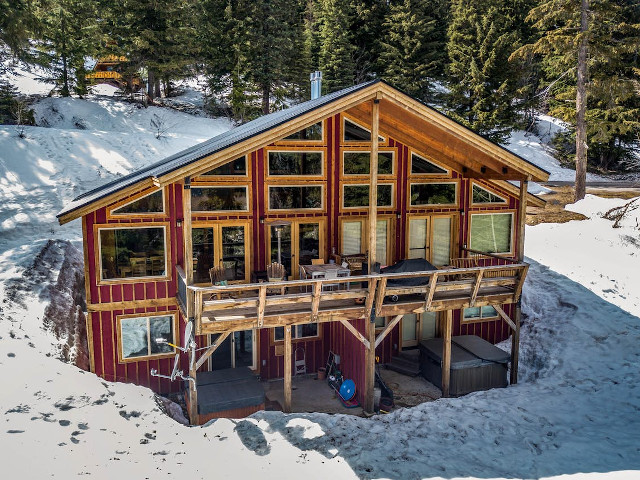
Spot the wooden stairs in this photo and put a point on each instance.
(407, 362)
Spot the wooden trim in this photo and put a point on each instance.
(120, 226)
(176, 335)
(505, 201)
(126, 305)
(354, 143)
(410, 183)
(87, 289)
(135, 197)
(393, 176)
(532, 199)
(322, 150)
(522, 219)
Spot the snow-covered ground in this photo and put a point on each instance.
(575, 412)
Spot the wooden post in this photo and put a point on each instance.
(193, 392)
(287, 369)
(188, 243)
(370, 328)
(446, 352)
(515, 336)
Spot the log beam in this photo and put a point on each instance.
(287, 369)
(354, 331)
(383, 334)
(515, 339)
(446, 352)
(212, 348)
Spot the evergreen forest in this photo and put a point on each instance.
(492, 65)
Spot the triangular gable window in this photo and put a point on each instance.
(312, 132)
(151, 203)
(482, 195)
(356, 133)
(235, 167)
(420, 165)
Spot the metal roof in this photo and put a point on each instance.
(217, 144)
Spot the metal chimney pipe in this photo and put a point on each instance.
(316, 85)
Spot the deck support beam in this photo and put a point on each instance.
(446, 352)
(515, 338)
(287, 369)
(212, 348)
(370, 327)
(382, 335)
(193, 391)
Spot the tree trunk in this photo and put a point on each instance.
(65, 74)
(581, 103)
(158, 93)
(266, 97)
(150, 83)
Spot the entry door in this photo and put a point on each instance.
(237, 350)
(300, 242)
(222, 245)
(354, 238)
(431, 237)
(416, 328)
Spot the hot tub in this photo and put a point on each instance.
(475, 364)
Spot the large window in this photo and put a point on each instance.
(146, 336)
(295, 163)
(433, 194)
(352, 132)
(295, 197)
(355, 196)
(358, 163)
(223, 246)
(212, 199)
(306, 330)
(132, 252)
(149, 204)
(237, 167)
(313, 132)
(354, 238)
(479, 313)
(491, 232)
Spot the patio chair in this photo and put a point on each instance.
(275, 273)
(139, 267)
(330, 274)
(317, 261)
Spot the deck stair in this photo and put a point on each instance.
(407, 362)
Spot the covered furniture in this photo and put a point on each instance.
(475, 364)
(406, 266)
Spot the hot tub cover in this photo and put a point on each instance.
(406, 266)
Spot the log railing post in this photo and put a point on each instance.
(287, 369)
(446, 352)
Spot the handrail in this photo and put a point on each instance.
(492, 255)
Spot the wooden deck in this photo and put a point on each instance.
(240, 307)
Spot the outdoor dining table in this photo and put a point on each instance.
(321, 271)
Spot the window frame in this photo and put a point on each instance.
(495, 212)
(155, 356)
(364, 233)
(357, 176)
(504, 203)
(322, 141)
(382, 140)
(454, 182)
(430, 217)
(366, 207)
(219, 178)
(121, 226)
(410, 174)
(294, 210)
(221, 185)
(479, 319)
(134, 198)
(293, 149)
(294, 338)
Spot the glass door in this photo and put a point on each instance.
(416, 328)
(237, 350)
(431, 237)
(300, 242)
(221, 245)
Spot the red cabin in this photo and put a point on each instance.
(195, 238)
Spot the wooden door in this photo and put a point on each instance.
(224, 245)
(431, 237)
(300, 242)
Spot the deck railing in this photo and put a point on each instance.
(269, 304)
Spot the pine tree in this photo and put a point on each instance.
(68, 35)
(482, 82)
(337, 52)
(413, 50)
(589, 52)
(17, 23)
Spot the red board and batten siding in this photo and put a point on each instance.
(334, 336)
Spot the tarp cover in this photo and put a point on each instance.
(406, 266)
